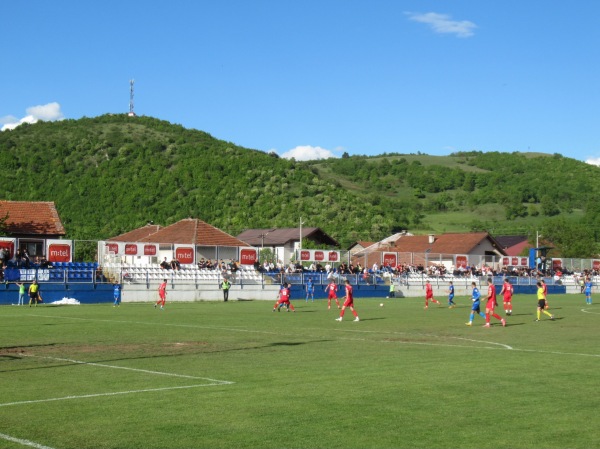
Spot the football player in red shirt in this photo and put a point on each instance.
(349, 302)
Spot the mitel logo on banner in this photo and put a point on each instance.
(131, 249)
(305, 255)
(390, 259)
(334, 256)
(113, 247)
(319, 256)
(461, 261)
(184, 254)
(58, 250)
(149, 250)
(248, 256)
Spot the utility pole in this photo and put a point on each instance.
(300, 242)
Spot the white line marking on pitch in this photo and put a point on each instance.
(213, 382)
(115, 393)
(593, 313)
(23, 442)
(60, 359)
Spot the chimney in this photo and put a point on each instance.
(431, 238)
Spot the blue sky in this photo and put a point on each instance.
(318, 78)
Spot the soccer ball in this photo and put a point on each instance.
(381, 305)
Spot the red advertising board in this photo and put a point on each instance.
(59, 252)
(149, 250)
(524, 261)
(304, 255)
(333, 256)
(556, 264)
(131, 249)
(113, 247)
(248, 256)
(514, 261)
(9, 245)
(184, 255)
(462, 261)
(319, 256)
(596, 264)
(390, 259)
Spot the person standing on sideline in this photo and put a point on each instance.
(117, 294)
(21, 293)
(545, 287)
(34, 293)
(429, 294)
(491, 303)
(588, 290)
(284, 299)
(310, 290)
(507, 292)
(225, 286)
(476, 298)
(162, 294)
(451, 303)
(392, 289)
(332, 288)
(542, 302)
(349, 302)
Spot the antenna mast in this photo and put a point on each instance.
(131, 113)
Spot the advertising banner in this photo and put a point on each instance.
(150, 249)
(9, 244)
(461, 261)
(59, 250)
(185, 254)
(248, 256)
(390, 259)
(117, 248)
(319, 255)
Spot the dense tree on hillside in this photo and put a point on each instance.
(113, 173)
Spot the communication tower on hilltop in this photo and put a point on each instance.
(131, 113)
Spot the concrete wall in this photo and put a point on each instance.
(142, 292)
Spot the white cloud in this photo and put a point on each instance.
(308, 153)
(443, 23)
(47, 112)
(593, 161)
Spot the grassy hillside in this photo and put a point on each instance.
(113, 173)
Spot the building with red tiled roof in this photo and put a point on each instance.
(478, 247)
(514, 245)
(193, 231)
(284, 241)
(359, 245)
(190, 236)
(31, 219)
(31, 225)
(137, 234)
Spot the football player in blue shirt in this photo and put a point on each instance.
(451, 303)
(588, 291)
(117, 294)
(310, 290)
(475, 307)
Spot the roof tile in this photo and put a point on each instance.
(32, 218)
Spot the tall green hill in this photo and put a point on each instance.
(113, 173)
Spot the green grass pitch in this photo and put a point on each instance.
(237, 375)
